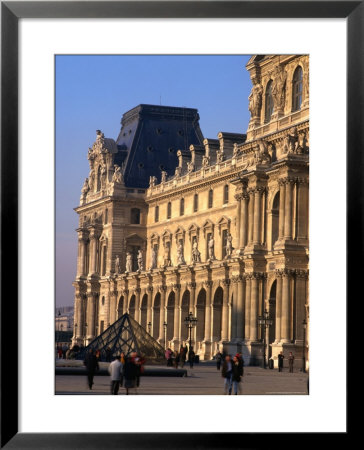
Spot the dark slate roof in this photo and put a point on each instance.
(149, 139)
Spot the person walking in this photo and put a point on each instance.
(290, 362)
(92, 365)
(280, 362)
(176, 359)
(182, 356)
(115, 370)
(191, 357)
(168, 356)
(122, 360)
(218, 360)
(130, 374)
(237, 373)
(227, 373)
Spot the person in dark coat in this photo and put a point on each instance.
(218, 360)
(237, 373)
(191, 357)
(176, 359)
(92, 365)
(280, 362)
(227, 373)
(130, 374)
(290, 362)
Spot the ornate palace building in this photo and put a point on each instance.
(172, 222)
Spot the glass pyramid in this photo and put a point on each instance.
(125, 335)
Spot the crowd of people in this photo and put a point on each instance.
(124, 370)
(178, 358)
(65, 351)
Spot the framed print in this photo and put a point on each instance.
(181, 242)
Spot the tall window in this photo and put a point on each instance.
(211, 198)
(195, 203)
(169, 210)
(268, 102)
(226, 193)
(135, 215)
(224, 242)
(297, 89)
(156, 214)
(106, 215)
(182, 207)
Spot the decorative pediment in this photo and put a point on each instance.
(180, 234)
(193, 230)
(208, 227)
(223, 223)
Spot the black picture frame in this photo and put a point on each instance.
(11, 12)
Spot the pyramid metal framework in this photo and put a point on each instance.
(125, 335)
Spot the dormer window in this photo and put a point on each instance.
(297, 89)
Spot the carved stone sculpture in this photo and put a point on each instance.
(262, 155)
(278, 87)
(255, 98)
(140, 261)
(163, 176)
(229, 246)
(117, 264)
(153, 264)
(117, 175)
(129, 262)
(167, 256)
(196, 255)
(211, 248)
(152, 181)
(180, 256)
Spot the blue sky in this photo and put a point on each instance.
(93, 92)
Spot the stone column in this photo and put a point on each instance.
(288, 210)
(137, 304)
(225, 312)
(302, 210)
(251, 218)
(81, 253)
(192, 307)
(244, 221)
(177, 318)
(286, 307)
(301, 298)
(247, 305)
(93, 251)
(254, 307)
(257, 216)
(208, 331)
(234, 314)
(113, 306)
(162, 314)
(149, 306)
(91, 316)
(240, 306)
(238, 198)
(278, 306)
(282, 196)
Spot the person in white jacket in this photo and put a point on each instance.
(115, 370)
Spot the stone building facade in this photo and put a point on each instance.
(221, 231)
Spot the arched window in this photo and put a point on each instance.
(268, 102)
(135, 215)
(297, 89)
(211, 198)
(106, 215)
(169, 210)
(195, 203)
(226, 193)
(156, 214)
(182, 207)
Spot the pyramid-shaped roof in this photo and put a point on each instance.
(125, 335)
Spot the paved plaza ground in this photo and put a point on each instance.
(203, 379)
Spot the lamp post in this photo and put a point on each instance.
(149, 327)
(265, 322)
(304, 325)
(165, 333)
(190, 323)
(84, 341)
